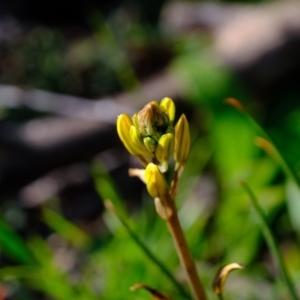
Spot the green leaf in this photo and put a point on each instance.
(269, 146)
(13, 246)
(233, 142)
(293, 202)
(106, 188)
(66, 229)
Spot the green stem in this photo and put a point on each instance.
(271, 242)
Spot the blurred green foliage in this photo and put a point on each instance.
(220, 222)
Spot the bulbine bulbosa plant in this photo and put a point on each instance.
(154, 139)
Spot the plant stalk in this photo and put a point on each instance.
(183, 252)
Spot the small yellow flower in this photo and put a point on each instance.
(155, 181)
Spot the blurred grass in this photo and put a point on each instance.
(272, 244)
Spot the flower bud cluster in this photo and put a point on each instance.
(151, 135)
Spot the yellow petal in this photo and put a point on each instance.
(135, 120)
(155, 181)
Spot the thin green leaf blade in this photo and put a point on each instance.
(66, 229)
(13, 246)
(271, 242)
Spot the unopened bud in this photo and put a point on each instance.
(148, 133)
(155, 181)
(164, 149)
(123, 128)
(168, 106)
(182, 140)
(151, 121)
(138, 144)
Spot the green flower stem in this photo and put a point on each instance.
(271, 242)
(183, 252)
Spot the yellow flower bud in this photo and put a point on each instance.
(155, 181)
(168, 106)
(137, 143)
(141, 135)
(123, 128)
(164, 150)
(182, 140)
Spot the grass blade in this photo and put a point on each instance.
(271, 242)
(13, 246)
(66, 229)
(270, 148)
(267, 143)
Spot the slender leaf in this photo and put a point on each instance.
(106, 188)
(271, 242)
(13, 246)
(266, 142)
(156, 295)
(269, 146)
(66, 229)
